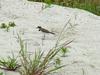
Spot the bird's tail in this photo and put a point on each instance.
(52, 33)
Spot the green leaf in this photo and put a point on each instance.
(54, 69)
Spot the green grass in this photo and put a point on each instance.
(88, 5)
(57, 62)
(12, 24)
(64, 51)
(38, 63)
(1, 73)
(7, 26)
(3, 25)
(10, 63)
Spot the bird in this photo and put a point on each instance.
(44, 30)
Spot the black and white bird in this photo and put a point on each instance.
(44, 30)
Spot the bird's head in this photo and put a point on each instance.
(39, 27)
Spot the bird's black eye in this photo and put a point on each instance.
(39, 27)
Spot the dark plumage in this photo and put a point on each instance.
(44, 30)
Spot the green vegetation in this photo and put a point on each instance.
(64, 51)
(1, 73)
(10, 64)
(3, 25)
(57, 62)
(12, 24)
(39, 64)
(89, 5)
(7, 26)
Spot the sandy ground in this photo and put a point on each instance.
(83, 57)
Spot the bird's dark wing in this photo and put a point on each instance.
(44, 30)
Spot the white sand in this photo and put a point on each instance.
(84, 51)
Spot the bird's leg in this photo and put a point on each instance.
(43, 38)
